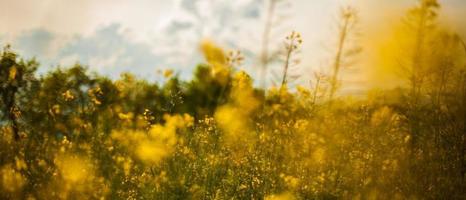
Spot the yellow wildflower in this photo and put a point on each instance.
(12, 73)
(168, 73)
(217, 60)
(73, 169)
(158, 143)
(283, 196)
(231, 117)
(125, 116)
(12, 180)
(68, 96)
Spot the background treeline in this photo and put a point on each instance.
(72, 134)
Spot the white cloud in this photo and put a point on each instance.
(79, 17)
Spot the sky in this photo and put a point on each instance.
(146, 36)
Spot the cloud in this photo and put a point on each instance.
(38, 43)
(82, 17)
(116, 36)
(109, 52)
(35, 42)
(106, 51)
(133, 40)
(232, 24)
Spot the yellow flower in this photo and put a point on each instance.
(12, 73)
(125, 116)
(303, 91)
(20, 164)
(55, 109)
(68, 96)
(151, 151)
(232, 116)
(158, 143)
(217, 60)
(93, 93)
(12, 180)
(212, 53)
(318, 156)
(73, 169)
(290, 181)
(382, 116)
(243, 92)
(168, 73)
(283, 196)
